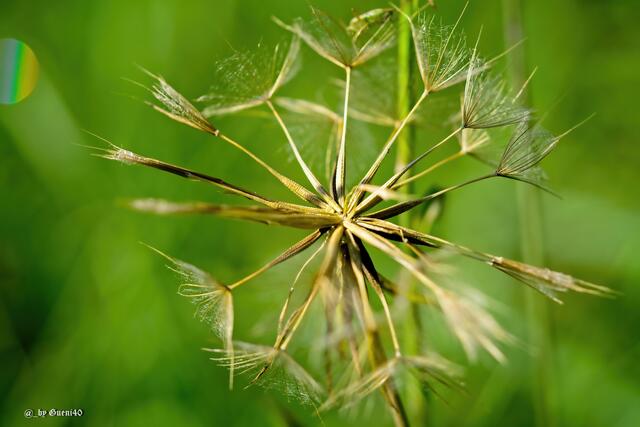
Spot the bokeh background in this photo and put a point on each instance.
(89, 318)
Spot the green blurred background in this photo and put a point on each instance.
(90, 319)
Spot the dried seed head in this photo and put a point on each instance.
(442, 53)
(272, 369)
(362, 349)
(546, 281)
(341, 45)
(214, 302)
(487, 103)
(528, 146)
(123, 156)
(360, 23)
(472, 140)
(249, 79)
(374, 93)
(473, 325)
(429, 370)
(177, 107)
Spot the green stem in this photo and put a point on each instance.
(405, 152)
(404, 101)
(532, 244)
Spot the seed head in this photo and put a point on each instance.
(345, 219)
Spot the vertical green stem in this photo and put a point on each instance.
(404, 101)
(532, 244)
(405, 150)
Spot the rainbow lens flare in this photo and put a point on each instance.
(18, 71)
